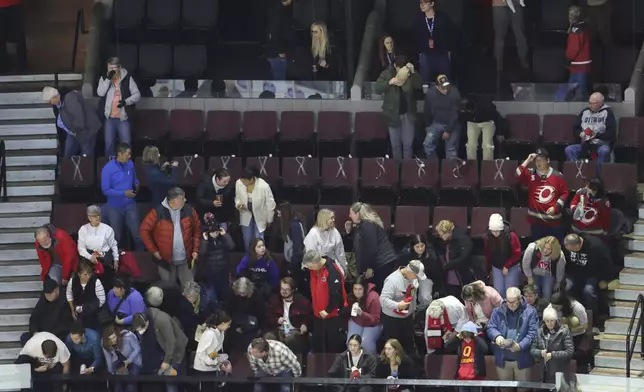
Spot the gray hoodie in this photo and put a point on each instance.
(106, 89)
(178, 248)
(395, 289)
(442, 108)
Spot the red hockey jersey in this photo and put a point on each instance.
(578, 48)
(596, 214)
(544, 191)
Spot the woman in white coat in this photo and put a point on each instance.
(255, 203)
(209, 357)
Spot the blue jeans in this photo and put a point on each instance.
(573, 153)
(577, 84)
(369, 335)
(133, 370)
(545, 285)
(432, 65)
(541, 230)
(584, 288)
(114, 126)
(250, 232)
(282, 387)
(434, 133)
(278, 68)
(73, 147)
(128, 216)
(504, 282)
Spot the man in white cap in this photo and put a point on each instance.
(78, 119)
(443, 318)
(398, 301)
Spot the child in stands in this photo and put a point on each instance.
(470, 353)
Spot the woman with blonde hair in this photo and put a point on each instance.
(326, 239)
(321, 52)
(455, 252)
(375, 256)
(394, 364)
(160, 177)
(544, 264)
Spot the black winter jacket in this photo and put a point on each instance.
(372, 247)
(460, 256)
(213, 252)
(206, 195)
(54, 317)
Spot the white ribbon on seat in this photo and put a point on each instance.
(301, 171)
(76, 159)
(580, 166)
(499, 166)
(421, 168)
(262, 166)
(381, 164)
(224, 161)
(188, 161)
(458, 164)
(341, 171)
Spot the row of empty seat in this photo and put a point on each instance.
(165, 14)
(161, 61)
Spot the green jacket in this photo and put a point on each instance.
(391, 100)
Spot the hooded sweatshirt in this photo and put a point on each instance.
(263, 272)
(442, 108)
(599, 126)
(108, 90)
(178, 247)
(395, 289)
(371, 308)
(593, 260)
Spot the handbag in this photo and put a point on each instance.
(105, 316)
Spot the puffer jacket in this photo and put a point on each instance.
(64, 250)
(559, 344)
(157, 231)
(372, 247)
(213, 252)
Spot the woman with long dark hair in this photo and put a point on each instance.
(209, 359)
(394, 364)
(292, 228)
(354, 363)
(386, 53)
(122, 352)
(502, 254)
(364, 303)
(260, 268)
(420, 248)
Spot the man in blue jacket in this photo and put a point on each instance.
(512, 328)
(120, 185)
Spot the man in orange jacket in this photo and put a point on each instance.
(172, 232)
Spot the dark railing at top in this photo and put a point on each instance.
(639, 330)
(4, 196)
(78, 29)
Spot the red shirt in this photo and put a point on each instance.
(466, 367)
(327, 290)
(596, 217)
(549, 190)
(578, 48)
(9, 3)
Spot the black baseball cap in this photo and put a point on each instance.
(543, 153)
(49, 286)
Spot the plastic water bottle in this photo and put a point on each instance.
(579, 211)
(287, 328)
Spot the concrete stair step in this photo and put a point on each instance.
(631, 276)
(634, 260)
(18, 189)
(14, 130)
(31, 144)
(42, 160)
(634, 242)
(617, 326)
(20, 270)
(18, 254)
(617, 360)
(9, 354)
(8, 320)
(627, 292)
(17, 238)
(602, 371)
(26, 113)
(12, 336)
(34, 222)
(610, 342)
(622, 309)
(30, 175)
(18, 286)
(28, 207)
(638, 228)
(21, 98)
(18, 303)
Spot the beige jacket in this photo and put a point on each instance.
(263, 204)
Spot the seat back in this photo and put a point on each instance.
(524, 128)
(456, 215)
(481, 218)
(558, 128)
(148, 267)
(199, 14)
(191, 170)
(498, 174)
(340, 172)
(151, 124)
(380, 173)
(300, 171)
(334, 125)
(100, 164)
(519, 222)
(269, 168)
(190, 61)
(69, 217)
(629, 131)
(578, 173)
(296, 125)
(76, 171)
(384, 212)
(410, 220)
(223, 124)
(155, 61)
(129, 14)
(186, 124)
(370, 126)
(419, 173)
(318, 364)
(129, 56)
(233, 164)
(163, 14)
(459, 174)
(259, 125)
(619, 178)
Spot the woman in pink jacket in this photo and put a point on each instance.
(480, 301)
(364, 304)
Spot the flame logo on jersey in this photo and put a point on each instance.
(545, 194)
(590, 216)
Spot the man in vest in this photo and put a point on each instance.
(119, 93)
(443, 317)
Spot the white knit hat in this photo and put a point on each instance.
(48, 93)
(496, 223)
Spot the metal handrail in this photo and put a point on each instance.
(78, 29)
(3, 172)
(630, 346)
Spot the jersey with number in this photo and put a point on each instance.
(466, 365)
(544, 192)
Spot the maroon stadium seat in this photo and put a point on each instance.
(150, 124)
(384, 212)
(410, 220)
(100, 164)
(269, 168)
(223, 129)
(186, 131)
(619, 178)
(70, 217)
(631, 130)
(339, 172)
(418, 177)
(259, 130)
(76, 171)
(297, 133)
(498, 178)
(480, 219)
(371, 134)
(519, 222)
(379, 176)
(558, 128)
(524, 128)
(318, 364)
(300, 171)
(190, 171)
(460, 177)
(456, 215)
(334, 133)
(231, 163)
(578, 173)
